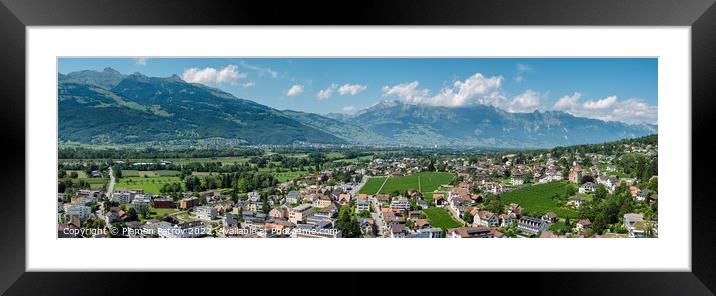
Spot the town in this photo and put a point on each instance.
(607, 190)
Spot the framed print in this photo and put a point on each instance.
(373, 141)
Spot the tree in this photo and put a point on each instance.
(348, 225)
(601, 193)
(600, 223)
(587, 178)
(571, 189)
(132, 215)
(467, 217)
(431, 166)
(528, 177)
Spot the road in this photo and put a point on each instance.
(378, 217)
(110, 185)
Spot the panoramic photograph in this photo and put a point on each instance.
(295, 147)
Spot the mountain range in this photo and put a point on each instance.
(107, 107)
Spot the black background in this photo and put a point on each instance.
(15, 15)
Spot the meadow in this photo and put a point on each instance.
(538, 199)
(149, 184)
(372, 186)
(135, 173)
(288, 176)
(95, 183)
(425, 182)
(440, 217)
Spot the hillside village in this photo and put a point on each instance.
(589, 191)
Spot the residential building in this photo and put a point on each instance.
(189, 202)
(80, 211)
(584, 224)
(362, 205)
(298, 214)
(485, 218)
(531, 225)
(471, 232)
(293, 197)
(587, 187)
(400, 203)
(430, 233)
(205, 213)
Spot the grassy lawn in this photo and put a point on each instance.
(440, 217)
(161, 213)
(95, 183)
(537, 199)
(135, 173)
(428, 196)
(288, 176)
(426, 182)
(80, 174)
(372, 185)
(149, 184)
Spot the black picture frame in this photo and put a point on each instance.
(16, 15)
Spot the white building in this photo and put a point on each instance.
(531, 225)
(205, 213)
(587, 187)
(362, 205)
(400, 203)
(183, 230)
(120, 197)
(254, 196)
(81, 211)
(142, 201)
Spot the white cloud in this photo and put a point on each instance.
(141, 61)
(326, 93)
(567, 102)
(477, 89)
(522, 68)
(260, 70)
(351, 89)
(349, 109)
(248, 84)
(632, 110)
(213, 76)
(601, 104)
(408, 92)
(295, 90)
(519, 79)
(635, 111)
(526, 102)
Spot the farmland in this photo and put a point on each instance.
(440, 217)
(288, 176)
(538, 199)
(372, 185)
(135, 173)
(149, 184)
(95, 183)
(423, 181)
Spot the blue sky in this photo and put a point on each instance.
(621, 89)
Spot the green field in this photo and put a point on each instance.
(80, 174)
(537, 199)
(95, 183)
(135, 173)
(288, 176)
(150, 184)
(372, 185)
(423, 182)
(428, 196)
(440, 217)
